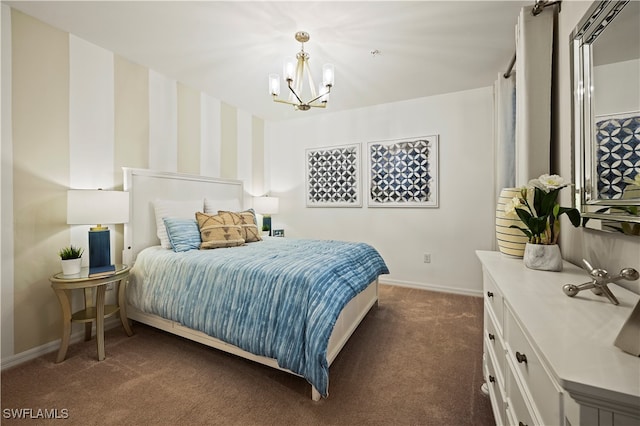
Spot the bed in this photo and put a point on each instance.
(286, 303)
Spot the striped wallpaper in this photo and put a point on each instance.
(80, 113)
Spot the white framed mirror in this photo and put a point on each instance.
(606, 116)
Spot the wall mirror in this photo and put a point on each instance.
(606, 116)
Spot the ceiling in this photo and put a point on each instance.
(228, 48)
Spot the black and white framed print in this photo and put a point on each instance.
(617, 154)
(333, 176)
(403, 172)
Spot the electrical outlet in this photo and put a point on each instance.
(427, 258)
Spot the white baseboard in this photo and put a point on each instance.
(431, 287)
(33, 353)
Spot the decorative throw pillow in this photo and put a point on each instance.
(184, 234)
(246, 219)
(219, 230)
(173, 208)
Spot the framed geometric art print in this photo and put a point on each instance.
(333, 176)
(617, 153)
(403, 172)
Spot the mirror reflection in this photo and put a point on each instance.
(607, 116)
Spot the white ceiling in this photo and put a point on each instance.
(228, 48)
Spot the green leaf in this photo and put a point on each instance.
(573, 214)
(548, 202)
(524, 231)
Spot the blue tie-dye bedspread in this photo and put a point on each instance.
(278, 298)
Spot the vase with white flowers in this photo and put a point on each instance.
(539, 210)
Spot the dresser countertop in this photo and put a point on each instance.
(575, 335)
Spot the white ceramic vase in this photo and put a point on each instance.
(543, 257)
(511, 241)
(71, 266)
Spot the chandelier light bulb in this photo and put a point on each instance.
(328, 74)
(289, 68)
(274, 84)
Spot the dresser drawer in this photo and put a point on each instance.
(494, 343)
(526, 362)
(496, 390)
(519, 410)
(493, 299)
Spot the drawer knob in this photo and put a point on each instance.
(489, 294)
(522, 358)
(522, 424)
(492, 337)
(492, 379)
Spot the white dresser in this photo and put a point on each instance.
(549, 359)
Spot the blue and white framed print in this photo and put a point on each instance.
(403, 172)
(333, 176)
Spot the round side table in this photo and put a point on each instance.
(63, 285)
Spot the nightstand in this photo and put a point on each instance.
(63, 285)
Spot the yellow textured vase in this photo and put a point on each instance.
(511, 241)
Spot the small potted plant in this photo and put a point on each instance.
(71, 259)
(538, 209)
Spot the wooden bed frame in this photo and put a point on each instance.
(145, 186)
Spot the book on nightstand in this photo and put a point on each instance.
(102, 271)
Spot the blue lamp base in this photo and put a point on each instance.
(266, 220)
(99, 248)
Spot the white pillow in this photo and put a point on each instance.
(212, 206)
(176, 209)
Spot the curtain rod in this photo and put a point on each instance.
(537, 9)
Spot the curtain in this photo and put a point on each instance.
(534, 48)
(504, 129)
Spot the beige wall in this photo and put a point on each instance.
(41, 161)
(188, 130)
(131, 123)
(40, 75)
(229, 151)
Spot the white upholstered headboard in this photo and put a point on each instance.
(145, 186)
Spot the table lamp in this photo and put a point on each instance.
(266, 206)
(97, 207)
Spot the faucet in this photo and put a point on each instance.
(600, 279)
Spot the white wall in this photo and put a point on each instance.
(451, 233)
(617, 88)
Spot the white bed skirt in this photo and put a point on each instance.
(349, 319)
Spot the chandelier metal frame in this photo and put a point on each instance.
(295, 76)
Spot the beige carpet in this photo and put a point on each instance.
(414, 360)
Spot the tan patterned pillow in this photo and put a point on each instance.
(218, 231)
(247, 220)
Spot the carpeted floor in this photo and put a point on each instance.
(416, 359)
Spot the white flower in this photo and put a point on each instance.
(511, 206)
(551, 182)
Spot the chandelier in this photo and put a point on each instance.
(294, 75)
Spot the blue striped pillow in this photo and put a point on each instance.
(184, 234)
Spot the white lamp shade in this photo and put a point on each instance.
(266, 205)
(91, 207)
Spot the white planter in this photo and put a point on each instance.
(543, 257)
(71, 266)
